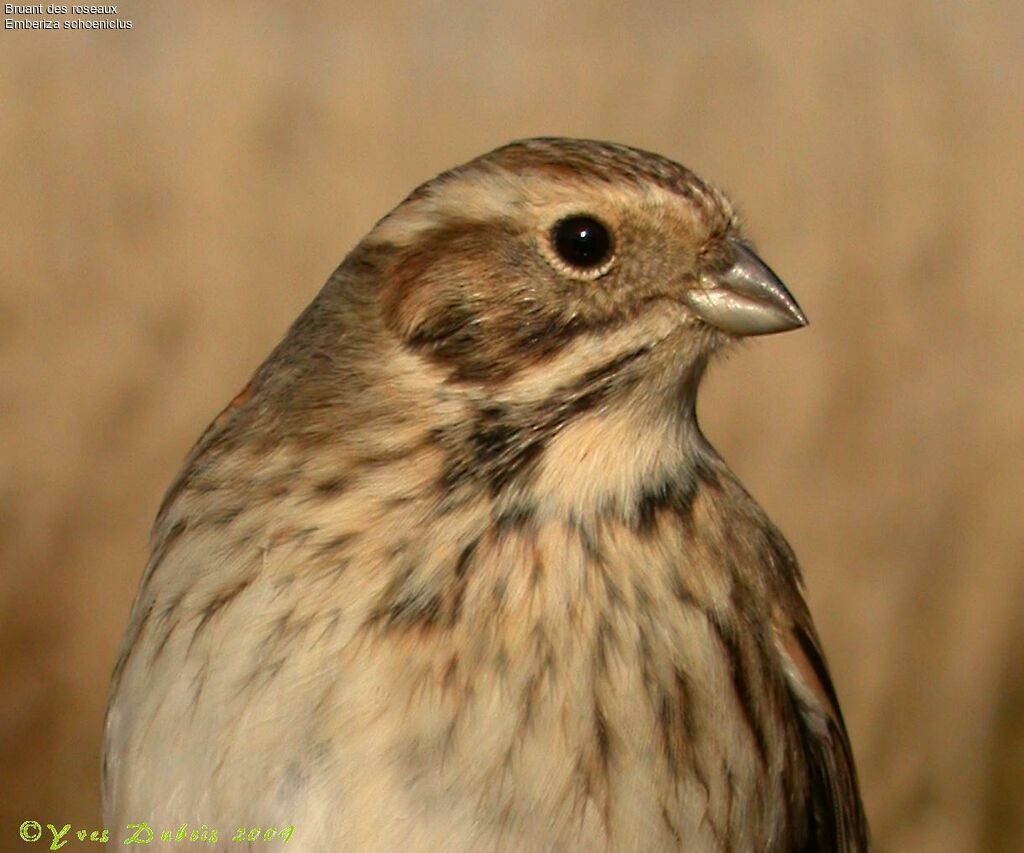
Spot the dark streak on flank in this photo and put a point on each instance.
(536, 569)
(667, 821)
(498, 593)
(164, 547)
(335, 544)
(164, 620)
(588, 539)
(612, 590)
(224, 517)
(529, 702)
(730, 795)
(397, 599)
(406, 605)
(462, 567)
(600, 776)
(334, 570)
(331, 621)
(331, 487)
(413, 610)
(680, 591)
(684, 698)
(742, 682)
(602, 740)
(214, 606)
(675, 716)
(465, 559)
(281, 628)
(604, 640)
(514, 518)
(779, 558)
(451, 670)
(266, 671)
(198, 683)
(129, 647)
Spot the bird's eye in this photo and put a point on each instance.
(583, 244)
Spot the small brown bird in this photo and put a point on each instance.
(458, 570)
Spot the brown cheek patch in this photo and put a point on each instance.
(462, 297)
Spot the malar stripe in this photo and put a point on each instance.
(587, 392)
(675, 495)
(514, 449)
(505, 442)
(610, 368)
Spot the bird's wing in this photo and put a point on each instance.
(838, 822)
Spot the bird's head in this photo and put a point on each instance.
(559, 256)
(549, 307)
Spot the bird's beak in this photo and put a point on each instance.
(746, 299)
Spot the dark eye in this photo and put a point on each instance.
(582, 242)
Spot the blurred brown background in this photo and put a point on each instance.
(173, 195)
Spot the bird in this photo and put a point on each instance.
(458, 569)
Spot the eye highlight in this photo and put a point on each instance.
(582, 246)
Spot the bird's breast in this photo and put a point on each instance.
(573, 679)
(461, 675)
